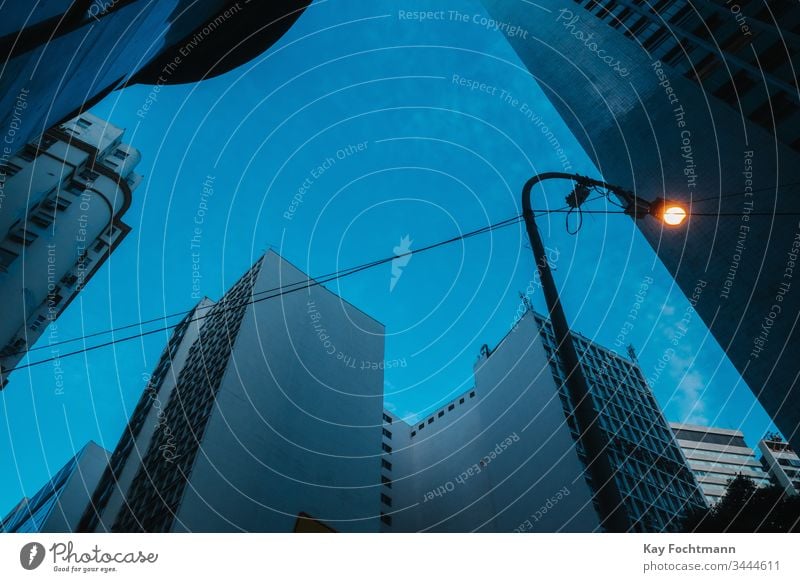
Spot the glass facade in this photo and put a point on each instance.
(716, 456)
(713, 46)
(656, 485)
(30, 514)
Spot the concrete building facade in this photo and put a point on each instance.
(63, 199)
(505, 455)
(694, 102)
(59, 505)
(262, 415)
(781, 463)
(716, 456)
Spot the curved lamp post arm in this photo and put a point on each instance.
(613, 514)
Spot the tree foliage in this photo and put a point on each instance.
(746, 508)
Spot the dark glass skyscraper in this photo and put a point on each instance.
(58, 506)
(63, 56)
(695, 102)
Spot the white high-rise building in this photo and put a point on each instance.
(62, 199)
(59, 505)
(716, 456)
(505, 456)
(782, 463)
(263, 414)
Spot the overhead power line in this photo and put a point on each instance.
(255, 297)
(309, 282)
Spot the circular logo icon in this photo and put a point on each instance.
(31, 555)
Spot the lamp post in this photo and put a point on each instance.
(610, 504)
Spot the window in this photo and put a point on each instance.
(75, 188)
(386, 447)
(386, 481)
(386, 519)
(122, 154)
(387, 418)
(40, 219)
(441, 413)
(421, 426)
(430, 420)
(451, 407)
(675, 53)
(461, 401)
(386, 464)
(89, 176)
(387, 434)
(46, 141)
(69, 280)
(6, 258)
(81, 122)
(472, 394)
(8, 169)
(62, 203)
(28, 153)
(23, 237)
(38, 322)
(413, 433)
(386, 500)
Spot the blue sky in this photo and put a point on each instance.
(437, 159)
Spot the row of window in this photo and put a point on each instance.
(440, 414)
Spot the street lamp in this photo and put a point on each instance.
(670, 213)
(609, 500)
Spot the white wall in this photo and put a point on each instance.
(515, 398)
(294, 428)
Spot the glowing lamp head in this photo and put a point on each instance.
(669, 212)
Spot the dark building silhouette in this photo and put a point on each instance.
(696, 102)
(63, 56)
(58, 506)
